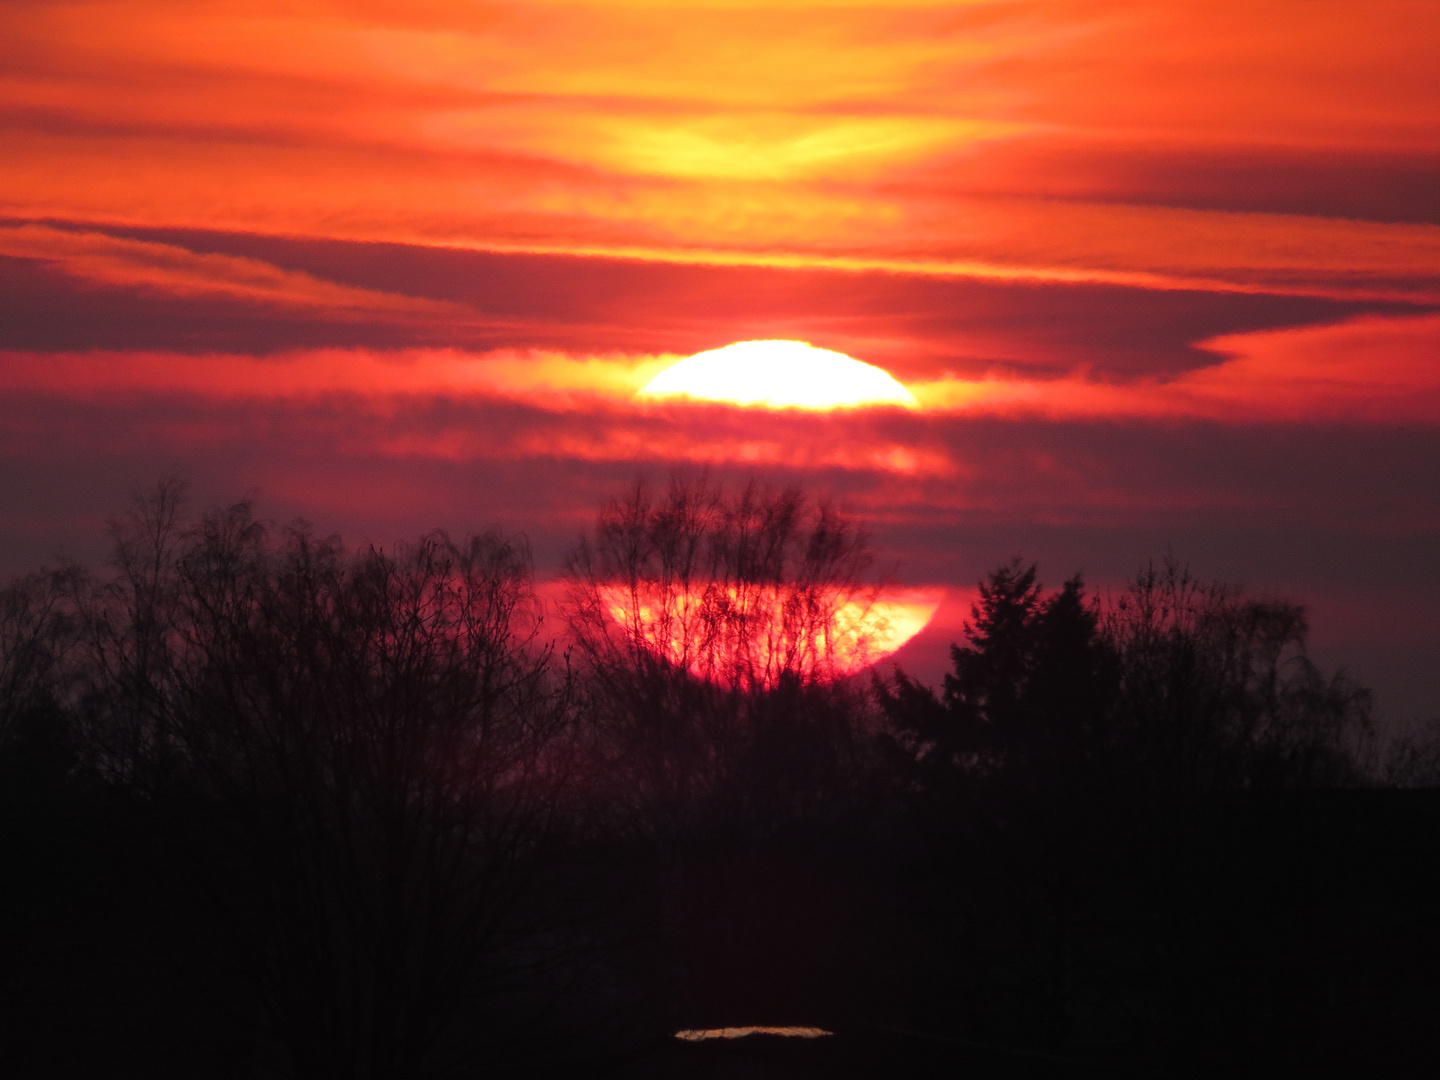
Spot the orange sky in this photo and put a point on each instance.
(1049, 141)
(1158, 273)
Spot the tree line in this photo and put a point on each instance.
(427, 826)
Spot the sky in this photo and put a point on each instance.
(1163, 277)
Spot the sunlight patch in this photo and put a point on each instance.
(692, 1035)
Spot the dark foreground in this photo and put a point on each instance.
(275, 809)
(859, 1053)
(1308, 944)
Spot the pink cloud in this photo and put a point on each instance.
(1371, 369)
(176, 271)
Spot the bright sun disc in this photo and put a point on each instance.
(779, 375)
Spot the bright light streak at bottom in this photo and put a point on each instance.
(691, 1035)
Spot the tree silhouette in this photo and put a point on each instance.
(363, 754)
(1118, 820)
(1412, 758)
(1217, 692)
(37, 679)
(1071, 768)
(1004, 765)
(1179, 685)
(1026, 700)
(715, 631)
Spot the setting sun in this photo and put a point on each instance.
(779, 375)
(693, 628)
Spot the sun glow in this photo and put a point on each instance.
(779, 375)
(758, 633)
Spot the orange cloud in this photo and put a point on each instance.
(601, 388)
(898, 137)
(553, 379)
(615, 441)
(1370, 368)
(1367, 369)
(177, 271)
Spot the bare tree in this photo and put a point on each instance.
(1217, 691)
(130, 623)
(37, 677)
(363, 751)
(715, 630)
(714, 635)
(1412, 756)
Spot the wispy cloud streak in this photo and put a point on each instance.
(1023, 140)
